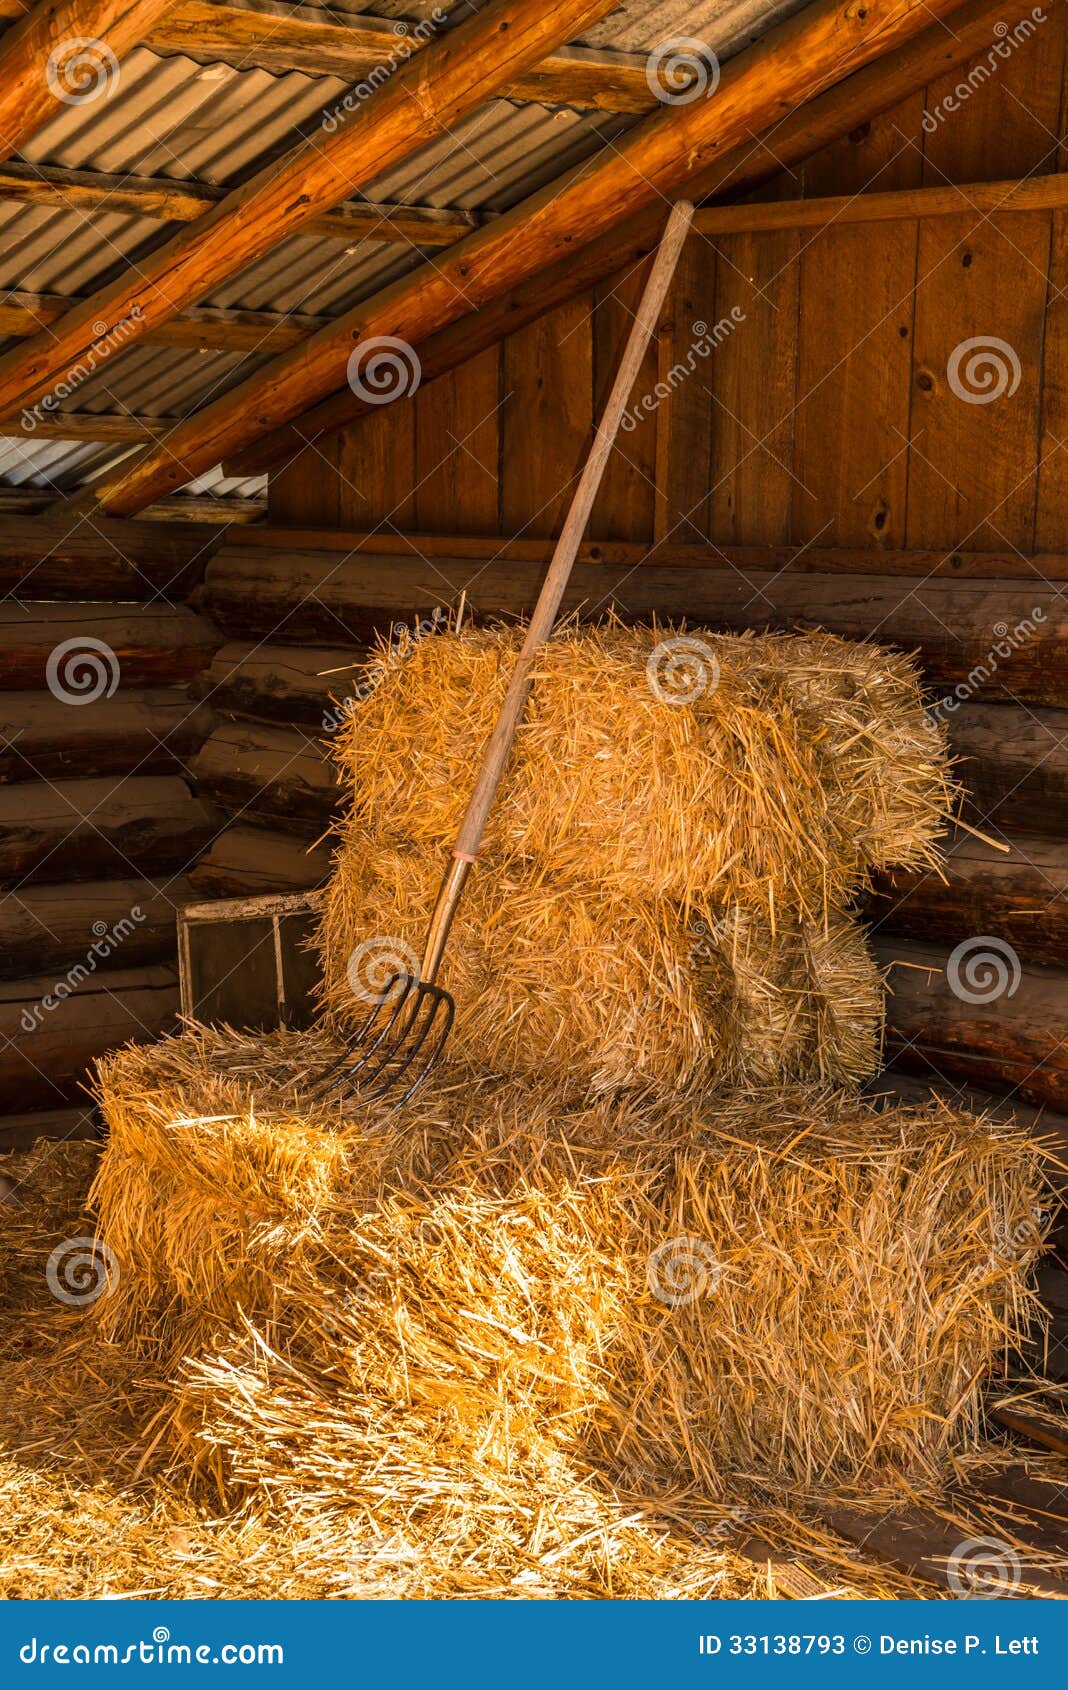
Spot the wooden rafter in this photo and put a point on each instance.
(353, 49)
(876, 88)
(454, 75)
(24, 314)
(310, 43)
(37, 70)
(54, 189)
(188, 510)
(272, 41)
(1032, 193)
(87, 425)
(818, 47)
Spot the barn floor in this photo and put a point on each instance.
(88, 1512)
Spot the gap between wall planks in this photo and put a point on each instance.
(798, 426)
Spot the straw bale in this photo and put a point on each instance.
(93, 1506)
(90, 1509)
(884, 758)
(608, 992)
(794, 1287)
(657, 763)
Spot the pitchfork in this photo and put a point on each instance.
(402, 1038)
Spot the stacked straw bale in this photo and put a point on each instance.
(663, 888)
(771, 772)
(628, 1237)
(411, 1306)
(606, 992)
(89, 1509)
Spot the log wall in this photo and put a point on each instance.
(99, 825)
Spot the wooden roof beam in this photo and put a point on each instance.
(639, 173)
(188, 512)
(1031, 193)
(272, 41)
(451, 77)
(248, 39)
(164, 201)
(876, 88)
(89, 425)
(208, 330)
(51, 50)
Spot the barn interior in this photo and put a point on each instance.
(309, 318)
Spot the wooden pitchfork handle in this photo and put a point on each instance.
(469, 838)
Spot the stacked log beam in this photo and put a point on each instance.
(244, 861)
(1020, 893)
(978, 1015)
(45, 927)
(954, 624)
(266, 764)
(99, 649)
(280, 774)
(48, 1039)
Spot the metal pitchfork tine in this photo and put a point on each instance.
(377, 1063)
(375, 1079)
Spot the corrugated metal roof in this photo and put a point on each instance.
(725, 26)
(56, 464)
(634, 26)
(59, 466)
(174, 118)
